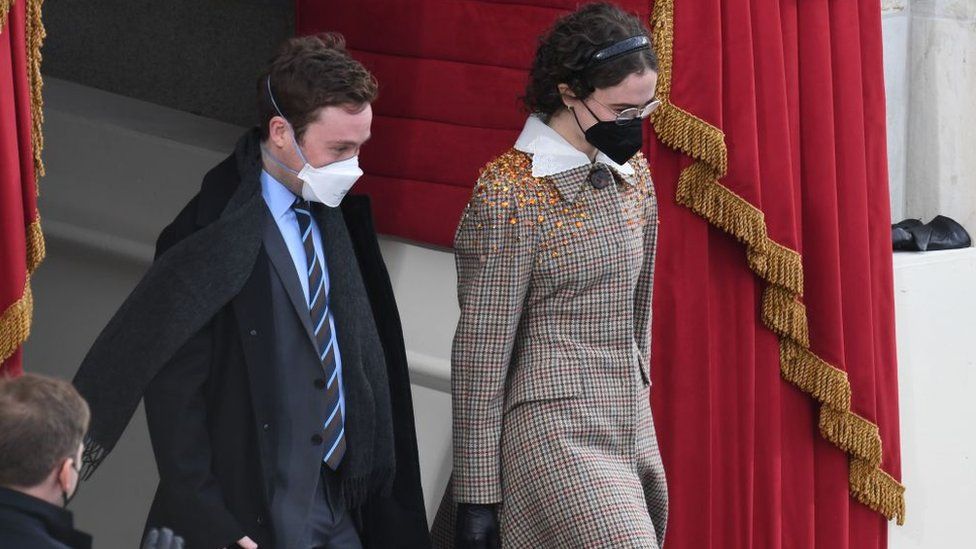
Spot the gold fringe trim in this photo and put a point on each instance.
(15, 322)
(782, 309)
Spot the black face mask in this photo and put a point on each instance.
(618, 141)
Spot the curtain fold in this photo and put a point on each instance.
(21, 241)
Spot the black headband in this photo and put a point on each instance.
(625, 46)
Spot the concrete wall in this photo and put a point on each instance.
(930, 72)
(895, 33)
(935, 299)
(198, 56)
(930, 84)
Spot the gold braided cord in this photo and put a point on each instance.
(4, 10)
(35, 39)
(783, 311)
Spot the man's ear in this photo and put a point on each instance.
(66, 471)
(278, 130)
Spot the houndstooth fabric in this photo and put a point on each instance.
(550, 376)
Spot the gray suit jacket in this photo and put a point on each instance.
(299, 408)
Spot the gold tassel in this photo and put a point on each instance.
(783, 311)
(36, 249)
(15, 324)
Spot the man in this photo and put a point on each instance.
(266, 337)
(42, 423)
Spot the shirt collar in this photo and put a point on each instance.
(278, 197)
(552, 154)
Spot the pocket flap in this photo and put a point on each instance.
(548, 381)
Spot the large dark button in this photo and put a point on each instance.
(266, 426)
(316, 439)
(260, 520)
(320, 383)
(600, 177)
(254, 332)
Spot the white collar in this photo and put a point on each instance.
(552, 154)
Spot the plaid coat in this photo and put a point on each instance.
(550, 376)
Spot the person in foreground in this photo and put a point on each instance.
(266, 338)
(554, 444)
(42, 424)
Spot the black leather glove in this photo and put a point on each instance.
(476, 527)
(161, 539)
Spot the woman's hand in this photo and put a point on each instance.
(476, 527)
(247, 543)
(161, 539)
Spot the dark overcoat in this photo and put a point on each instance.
(213, 384)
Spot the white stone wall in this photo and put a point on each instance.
(930, 71)
(894, 29)
(930, 84)
(934, 296)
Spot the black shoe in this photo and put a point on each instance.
(901, 239)
(943, 234)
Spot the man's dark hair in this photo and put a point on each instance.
(42, 421)
(309, 73)
(567, 48)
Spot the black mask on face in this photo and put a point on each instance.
(618, 141)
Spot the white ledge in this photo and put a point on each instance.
(910, 260)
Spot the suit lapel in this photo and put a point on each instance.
(284, 266)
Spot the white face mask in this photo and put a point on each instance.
(330, 183)
(327, 184)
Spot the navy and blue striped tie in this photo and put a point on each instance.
(334, 432)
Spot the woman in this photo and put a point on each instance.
(554, 445)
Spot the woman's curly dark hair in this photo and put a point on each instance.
(567, 47)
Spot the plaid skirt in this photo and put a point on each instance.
(579, 472)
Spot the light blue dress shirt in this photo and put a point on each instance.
(280, 201)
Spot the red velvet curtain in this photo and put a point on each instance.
(450, 73)
(21, 244)
(797, 90)
(773, 314)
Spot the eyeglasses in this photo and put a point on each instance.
(633, 113)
